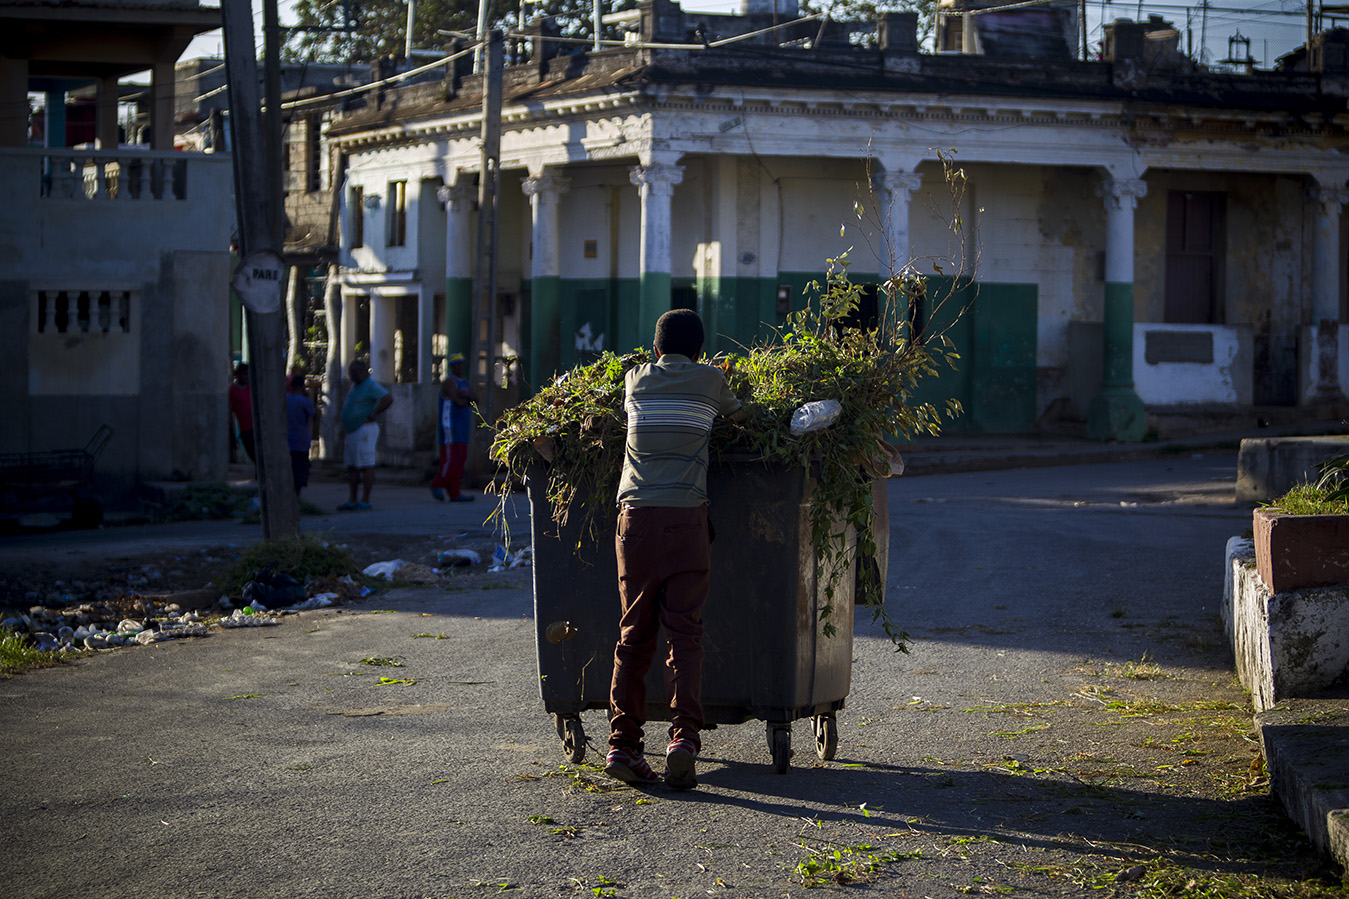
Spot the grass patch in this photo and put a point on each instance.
(1143, 669)
(17, 654)
(206, 502)
(1309, 499)
(300, 557)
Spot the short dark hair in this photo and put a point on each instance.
(297, 382)
(680, 331)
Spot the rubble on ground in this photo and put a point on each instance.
(135, 607)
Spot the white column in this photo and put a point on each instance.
(1327, 259)
(383, 323)
(1321, 339)
(545, 294)
(1121, 199)
(1117, 413)
(655, 185)
(895, 189)
(458, 203)
(349, 304)
(543, 191)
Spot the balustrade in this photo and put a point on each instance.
(113, 175)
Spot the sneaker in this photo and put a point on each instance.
(364, 507)
(680, 759)
(461, 498)
(348, 507)
(629, 767)
(437, 494)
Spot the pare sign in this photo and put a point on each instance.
(258, 281)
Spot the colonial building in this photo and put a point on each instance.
(1140, 233)
(114, 259)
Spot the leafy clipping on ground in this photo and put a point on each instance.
(301, 557)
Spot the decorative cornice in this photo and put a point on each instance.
(545, 185)
(1122, 193)
(659, 180)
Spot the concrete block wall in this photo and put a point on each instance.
(1268, 467)
(1287, 644)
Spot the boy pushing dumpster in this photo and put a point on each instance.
(663, 545)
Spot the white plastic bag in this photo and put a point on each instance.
(815, 416)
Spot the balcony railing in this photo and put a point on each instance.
(125, 175)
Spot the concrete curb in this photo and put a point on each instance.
(1306, 747)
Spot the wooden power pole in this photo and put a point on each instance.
(485, 337)
(260, 278)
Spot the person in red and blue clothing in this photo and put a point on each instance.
(453, 428)
(664, 547)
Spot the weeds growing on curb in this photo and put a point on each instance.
(300, 557)
(17, 653)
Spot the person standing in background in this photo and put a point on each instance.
(299, 410)
(454, 429)
(366, 401)
(241, 407)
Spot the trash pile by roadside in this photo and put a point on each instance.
(71, 620)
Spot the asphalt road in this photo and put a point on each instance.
(1068, 715)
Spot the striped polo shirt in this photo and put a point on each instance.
(671, 404)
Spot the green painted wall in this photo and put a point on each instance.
(1003, 364)
(459, 314)
(993, 327)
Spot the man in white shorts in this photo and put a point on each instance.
(366, 401)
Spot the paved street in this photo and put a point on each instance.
(1068, 715)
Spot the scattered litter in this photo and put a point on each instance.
(385, 570)
(501, 559)
(239, 619)
(459, 557)
(273, 589)
(321, 601)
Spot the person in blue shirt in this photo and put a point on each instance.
(299, 412)
(454, 427)
(366, 401)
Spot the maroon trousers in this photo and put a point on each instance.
(451, 469)
(664, 573)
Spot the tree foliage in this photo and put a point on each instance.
(347, 30)
(868, 10)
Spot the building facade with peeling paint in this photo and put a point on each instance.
(114, 258)
(1138, 233)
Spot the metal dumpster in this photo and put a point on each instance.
(766, 653)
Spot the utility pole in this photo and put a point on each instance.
(260, 278)
(412, 21)
(485, 339)
(1082, 26)
(1203, 32)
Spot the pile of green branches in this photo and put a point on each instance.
(577, 425)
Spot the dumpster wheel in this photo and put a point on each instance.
(826, 736)
(573, 736)
(780, 744)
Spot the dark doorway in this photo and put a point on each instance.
(1195, 237)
